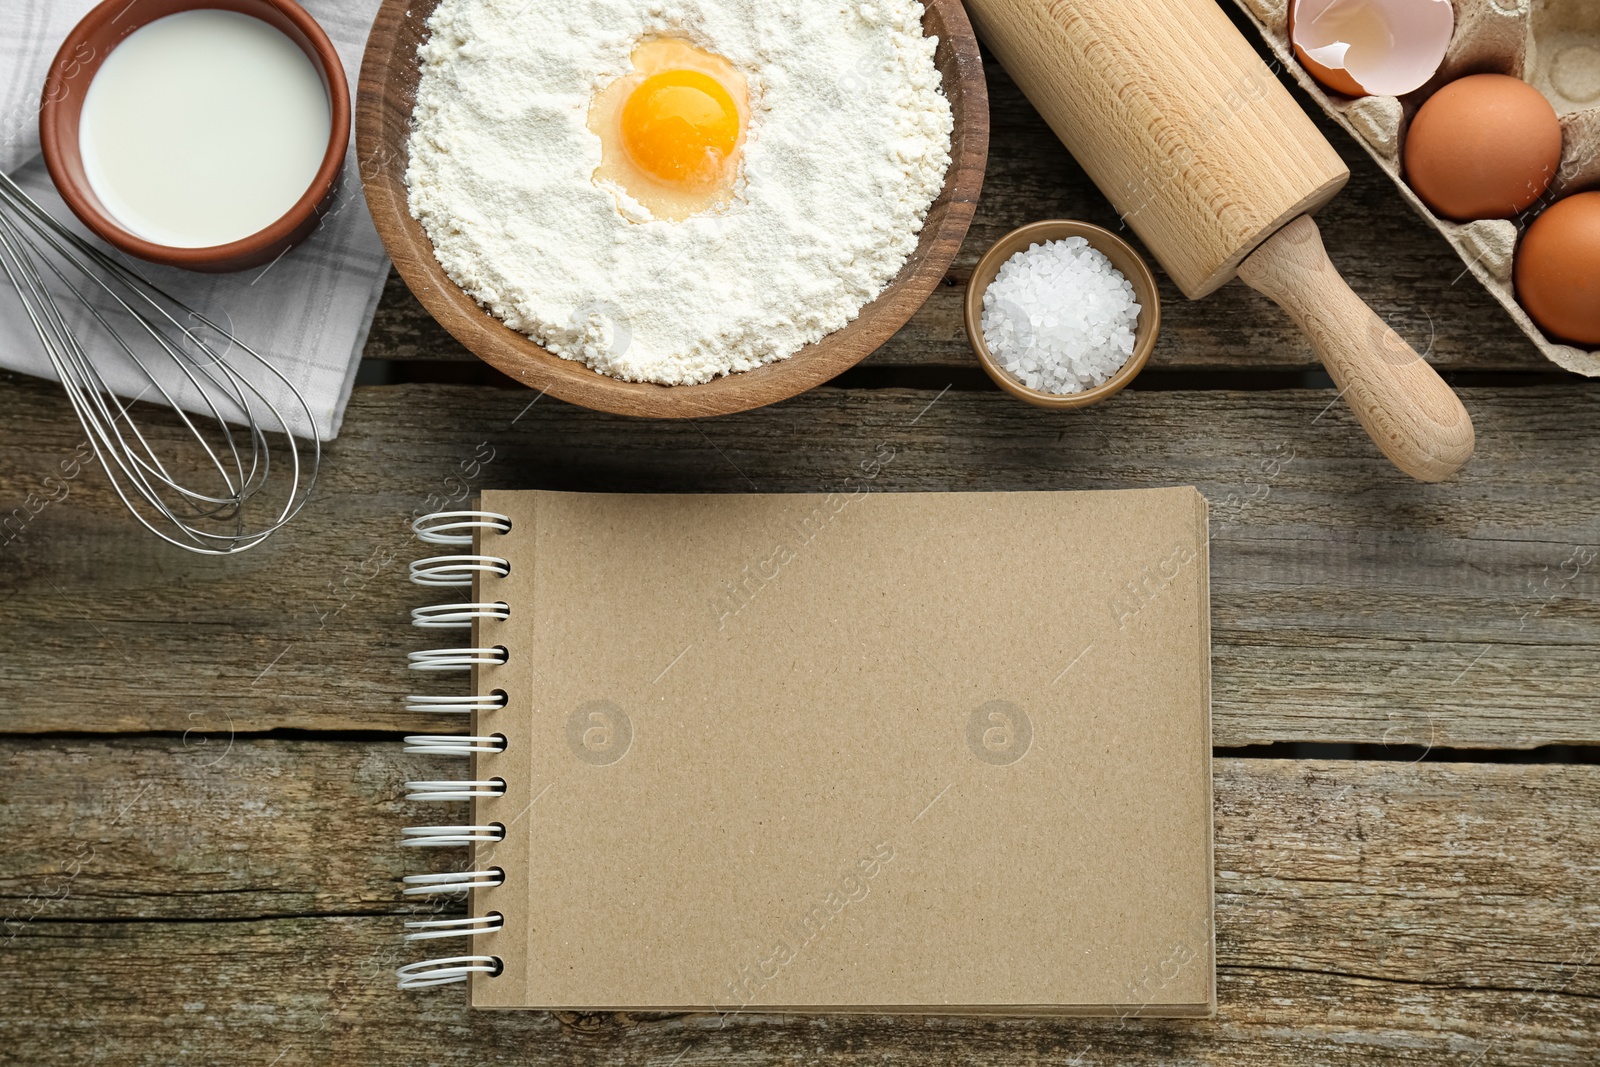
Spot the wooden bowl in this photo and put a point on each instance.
(101, 30)
(385, 99)
(1121, 255)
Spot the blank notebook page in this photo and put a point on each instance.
(877, 752)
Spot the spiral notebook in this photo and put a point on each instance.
(904, 752)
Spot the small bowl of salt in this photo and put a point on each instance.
(1062, 314)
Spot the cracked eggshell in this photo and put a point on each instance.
(1371, 47)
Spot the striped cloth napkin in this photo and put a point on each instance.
(308, 313)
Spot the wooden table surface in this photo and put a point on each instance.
(202, 770)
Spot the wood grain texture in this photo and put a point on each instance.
(1206, 157)
(1414, 283)
(1178, 121)
(1367, 913)
(1402, 403)
(1348, 603)
(211, 894)
(389, 75)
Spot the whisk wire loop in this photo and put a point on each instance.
(230, 416)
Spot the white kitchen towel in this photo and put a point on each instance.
(308, 313)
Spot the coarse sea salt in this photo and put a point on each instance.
(1059, 317)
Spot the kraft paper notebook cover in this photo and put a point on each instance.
(942, 752)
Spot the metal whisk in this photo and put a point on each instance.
(169, 344)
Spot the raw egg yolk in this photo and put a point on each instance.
(671, 131)
(680, 126)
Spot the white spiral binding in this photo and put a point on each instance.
(452, 790)
(454, 659)
(454, 705)
(441, 836)
(455, 882)
(446, 970)
(453, 744)
(428, 929)
(458, 616)
(456, 571)
(456, 529)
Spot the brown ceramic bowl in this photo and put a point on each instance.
(389, 76)
(1121, 255)
(80, 56)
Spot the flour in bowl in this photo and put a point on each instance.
(822, 127)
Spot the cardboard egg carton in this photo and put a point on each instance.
(1553, 45)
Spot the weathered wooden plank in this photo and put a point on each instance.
(205, 825)
(1405, 270)
(1349, 603)
(1367, 913)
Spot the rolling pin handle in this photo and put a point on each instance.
(1411, 414)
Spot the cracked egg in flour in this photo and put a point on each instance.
(670, 131)
(673, 190)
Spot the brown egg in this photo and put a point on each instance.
(1483, 147)
(1558, 270)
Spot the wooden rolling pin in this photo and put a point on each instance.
(1212, 163)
